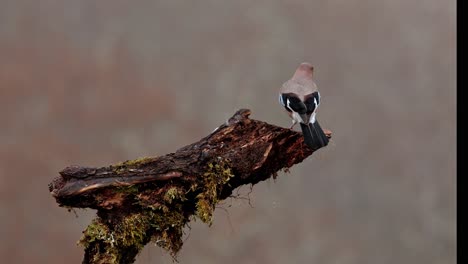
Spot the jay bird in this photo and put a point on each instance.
(300, 98)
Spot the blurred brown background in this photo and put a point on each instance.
(98, 82)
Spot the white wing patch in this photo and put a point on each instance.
(297, 117)
(287, 105)
(312, 118)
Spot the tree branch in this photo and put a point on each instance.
(152, 199)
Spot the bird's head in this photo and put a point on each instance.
(305, 69)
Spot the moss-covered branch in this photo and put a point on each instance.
(152, 199)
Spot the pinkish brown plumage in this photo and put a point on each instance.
(301, 82)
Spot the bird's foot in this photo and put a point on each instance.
(293, 125)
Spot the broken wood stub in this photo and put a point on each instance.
(152, 199)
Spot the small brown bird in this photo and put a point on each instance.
(300, 97)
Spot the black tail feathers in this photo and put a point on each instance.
(314, 137)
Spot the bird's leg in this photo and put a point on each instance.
(294, 122)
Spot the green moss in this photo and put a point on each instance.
(131, 189)
(173, 194)
(134, 231)
(169, 229)
(122, 167)
(135, 162)
(217, 175)
(94, 232)
(107, 257)
(161, 222)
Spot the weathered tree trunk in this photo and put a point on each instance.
(152, 199)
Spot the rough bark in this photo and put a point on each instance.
(152, 199)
